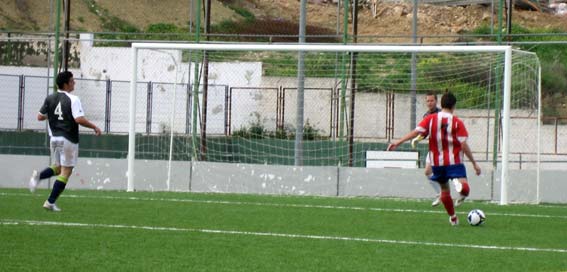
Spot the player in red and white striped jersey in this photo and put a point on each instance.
(447, 144)
(446, 135)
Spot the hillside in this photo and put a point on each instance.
(396, 19)
(102, 15)
(391, 19)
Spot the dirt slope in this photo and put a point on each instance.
(396, 19)
(34, 15)
(391, 19)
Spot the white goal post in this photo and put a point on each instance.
(506, 79)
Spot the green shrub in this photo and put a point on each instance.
(310, 133)
(257, 130)
(553, 60)
(248, 16)
(162, 28)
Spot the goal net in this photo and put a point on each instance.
(247, 103)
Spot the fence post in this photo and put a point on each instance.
(8, 56)
(21, 102)
(390, 104)
(280, 108)
(108, 107)
(149, 108)
(226, 123)
(189, 108)
(283, 108)
(229, 110)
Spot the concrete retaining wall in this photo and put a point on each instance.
(110, 174)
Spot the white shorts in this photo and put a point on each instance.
(64, 152)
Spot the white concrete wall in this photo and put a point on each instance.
(110, 174)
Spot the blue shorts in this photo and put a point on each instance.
(443, 174)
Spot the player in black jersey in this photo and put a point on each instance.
(64, 114)
(431, 103)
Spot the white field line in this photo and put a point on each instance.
(267, 204)
(280, 235)
(552, 206)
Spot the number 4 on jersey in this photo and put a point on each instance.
(58, 111)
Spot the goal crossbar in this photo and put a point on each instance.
(506, 50)
(324, 47)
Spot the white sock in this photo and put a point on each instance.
(458, 185)
(436, 187)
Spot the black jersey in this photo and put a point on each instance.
(61, 109)
(431, 112)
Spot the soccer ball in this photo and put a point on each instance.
(476, 217)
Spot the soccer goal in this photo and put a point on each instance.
(325, 105)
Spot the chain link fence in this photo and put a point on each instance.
(102, 77)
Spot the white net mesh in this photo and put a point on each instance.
(251, 103)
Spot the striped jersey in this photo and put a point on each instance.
(436, 110)
(61, 109)
(446, 133)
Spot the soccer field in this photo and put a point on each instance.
(142, 231)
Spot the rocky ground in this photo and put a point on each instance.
(396, 18)
(392, 19)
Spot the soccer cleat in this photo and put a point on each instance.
(51, 207)
(460, 200)
(454, 220)
(34, 181)
(416, 140)
(436, 202)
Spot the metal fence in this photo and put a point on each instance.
(105, 87)
(105, 102)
